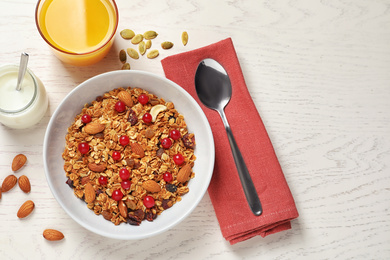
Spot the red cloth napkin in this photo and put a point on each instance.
(235, 218)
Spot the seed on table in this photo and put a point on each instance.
(152, 54)
(137, 39)
(122, 56)
(150, 35)
(166, 45)
(126, 66)
(132, 53)
(184, 38)
(148, 44)
(127, 34)
(142, 48)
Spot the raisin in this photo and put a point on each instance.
(99, 135)
(107, 215)
(166, 204)
(133, 220)
(133, 119)
(150, 216)
(130, 162)
(70, 183)
(189, 141)
(159, 152)
(171, 187)
(140, 214)
(99, 98)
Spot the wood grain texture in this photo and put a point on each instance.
(318, 72)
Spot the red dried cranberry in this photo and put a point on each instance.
(143, 99)
(83, 148)
(166, 143)
(124, 140)
(147, 118)
(120, 106)
(148, 201)
(124, 174)
(167, 177)
(126, 184)
(86, 118)
(117, 195)
(103, 180)
(178, 159)
(175, 134)
(116, 155)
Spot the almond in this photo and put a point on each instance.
(97, 167)
(184, 173)
(94, 128)
(24, 184)
(125, 97)
(18, 162)
(89, 193)
(122, 209)
(25, 209)
(9, 182)
(151, 186)
(52, 235)
(137, 149)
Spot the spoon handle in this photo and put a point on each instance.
(246, 180)
(22, 70)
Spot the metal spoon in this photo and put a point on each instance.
(214, 90)
(22, 70)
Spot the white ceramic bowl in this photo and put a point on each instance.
(62, 118)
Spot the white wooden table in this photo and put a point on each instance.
(319, 73)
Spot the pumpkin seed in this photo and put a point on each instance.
(122, 56)
(152, 54)
(148, 44)
(126, 66)
(127, 34)
(150, 35)
(184, 38)
(142, 48)
(166, 45)
(137, 39)
(132, 53)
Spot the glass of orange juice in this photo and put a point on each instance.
(80, 32)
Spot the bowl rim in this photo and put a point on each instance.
(130, 236)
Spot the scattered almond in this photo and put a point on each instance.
(25, 209)
(94, 128)
(137, 149)
(18, 162)
(89, 193)
(52, 235)
(151, 186)
(24, 184)
(125, 97)
(184, 173)
(97, 167)
(122, 209)
(9, 182)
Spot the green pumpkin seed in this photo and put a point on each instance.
(137, 39)
(152, 54)
(126, 66)
(122, 56)
(148, 44)
(142, 48)
(184, 38)
(150, 35)
(166, 45)
(127, 34)
(132, 53)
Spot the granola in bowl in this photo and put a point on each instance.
(129, 155)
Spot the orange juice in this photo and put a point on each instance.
(80, 31)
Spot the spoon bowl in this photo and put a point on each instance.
(214, 90)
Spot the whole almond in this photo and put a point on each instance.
(184, 173)
(125, 97)
(151, 186)
(25, 209)
(9, 182)
(137, 149)
(97, 167)
(24, 184)
(89, 193)
(94, 128)
(52, 235)
(122, 209)
(18, 162)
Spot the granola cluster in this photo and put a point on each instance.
(144, 157)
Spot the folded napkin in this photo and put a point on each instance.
(235, 218)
